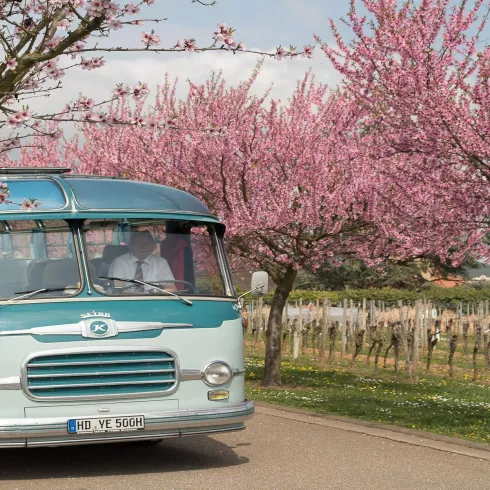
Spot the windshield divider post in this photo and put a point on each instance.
(84, 261)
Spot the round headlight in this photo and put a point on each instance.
(217, 373)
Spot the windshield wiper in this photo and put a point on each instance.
(28, 294)
(143, 283)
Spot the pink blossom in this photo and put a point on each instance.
(131, 9)
(11, 64)
(96, 7)
(64, 24)
(140, 90)
(54, 42)
(23, 115)
(121, 91)
(85, 103)
(18, 119)
(94, 117)
(138, 121)
(150, 39)
(97, 62)
(189, 45)
(229, 41)
(91, 63)
(115, 24)
(241, 46)
(280, 53)
(308, 51)
(29, 204)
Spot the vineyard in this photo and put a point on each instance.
(415, 338)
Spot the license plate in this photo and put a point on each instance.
(106, 424)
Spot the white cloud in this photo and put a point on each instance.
(98, 84)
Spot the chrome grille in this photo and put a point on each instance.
(114, 373)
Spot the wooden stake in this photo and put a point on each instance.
(342, 335)
(405, 342)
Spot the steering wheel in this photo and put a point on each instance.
(191, 287)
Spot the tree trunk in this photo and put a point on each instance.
(272, 369)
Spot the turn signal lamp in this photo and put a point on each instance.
(217, 395)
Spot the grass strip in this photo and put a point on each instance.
(443, 406)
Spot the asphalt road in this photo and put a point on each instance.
(278, 450)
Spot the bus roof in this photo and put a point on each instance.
(61, 192)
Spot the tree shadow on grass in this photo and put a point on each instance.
(171, 455)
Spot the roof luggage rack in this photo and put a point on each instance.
(33, 170)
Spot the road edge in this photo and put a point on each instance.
(394, 433)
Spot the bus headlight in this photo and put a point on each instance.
(216, 373)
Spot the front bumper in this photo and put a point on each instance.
(54, 431)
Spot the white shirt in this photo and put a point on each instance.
(154, 268)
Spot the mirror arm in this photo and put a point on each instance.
(261, 285)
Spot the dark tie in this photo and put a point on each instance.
(139, 275)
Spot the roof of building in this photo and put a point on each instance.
(57, 190)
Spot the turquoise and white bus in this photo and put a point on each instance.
(88, 356)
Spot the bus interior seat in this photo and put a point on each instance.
(35, 273)
(12, 269)
(61, 273)
(95, 263)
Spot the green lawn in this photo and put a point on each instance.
(450, 407)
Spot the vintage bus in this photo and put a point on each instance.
(118, 316)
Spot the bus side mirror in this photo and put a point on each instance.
(260, 283)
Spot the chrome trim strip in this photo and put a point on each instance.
(78, 328)
(6, 302)
(183, 422)
(142, 326)
(89, 363)
(98, 373)
(12, 383)
(109, 383)
(196, 374)
(68, 329)
(101, 350)
(225, 267)
(164, 435)
(190, 375)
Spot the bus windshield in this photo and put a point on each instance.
(145, 256)
(37, 256)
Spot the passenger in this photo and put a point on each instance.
(139, 263)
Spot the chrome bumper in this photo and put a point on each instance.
(54, 431)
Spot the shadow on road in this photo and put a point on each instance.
(193, 453)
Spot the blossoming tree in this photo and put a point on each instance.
(420, 70)
(40, 40)
(293, 182)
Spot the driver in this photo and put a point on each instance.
(139, 263)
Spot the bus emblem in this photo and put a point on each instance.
(99, 328)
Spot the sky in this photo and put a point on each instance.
(260, 24)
